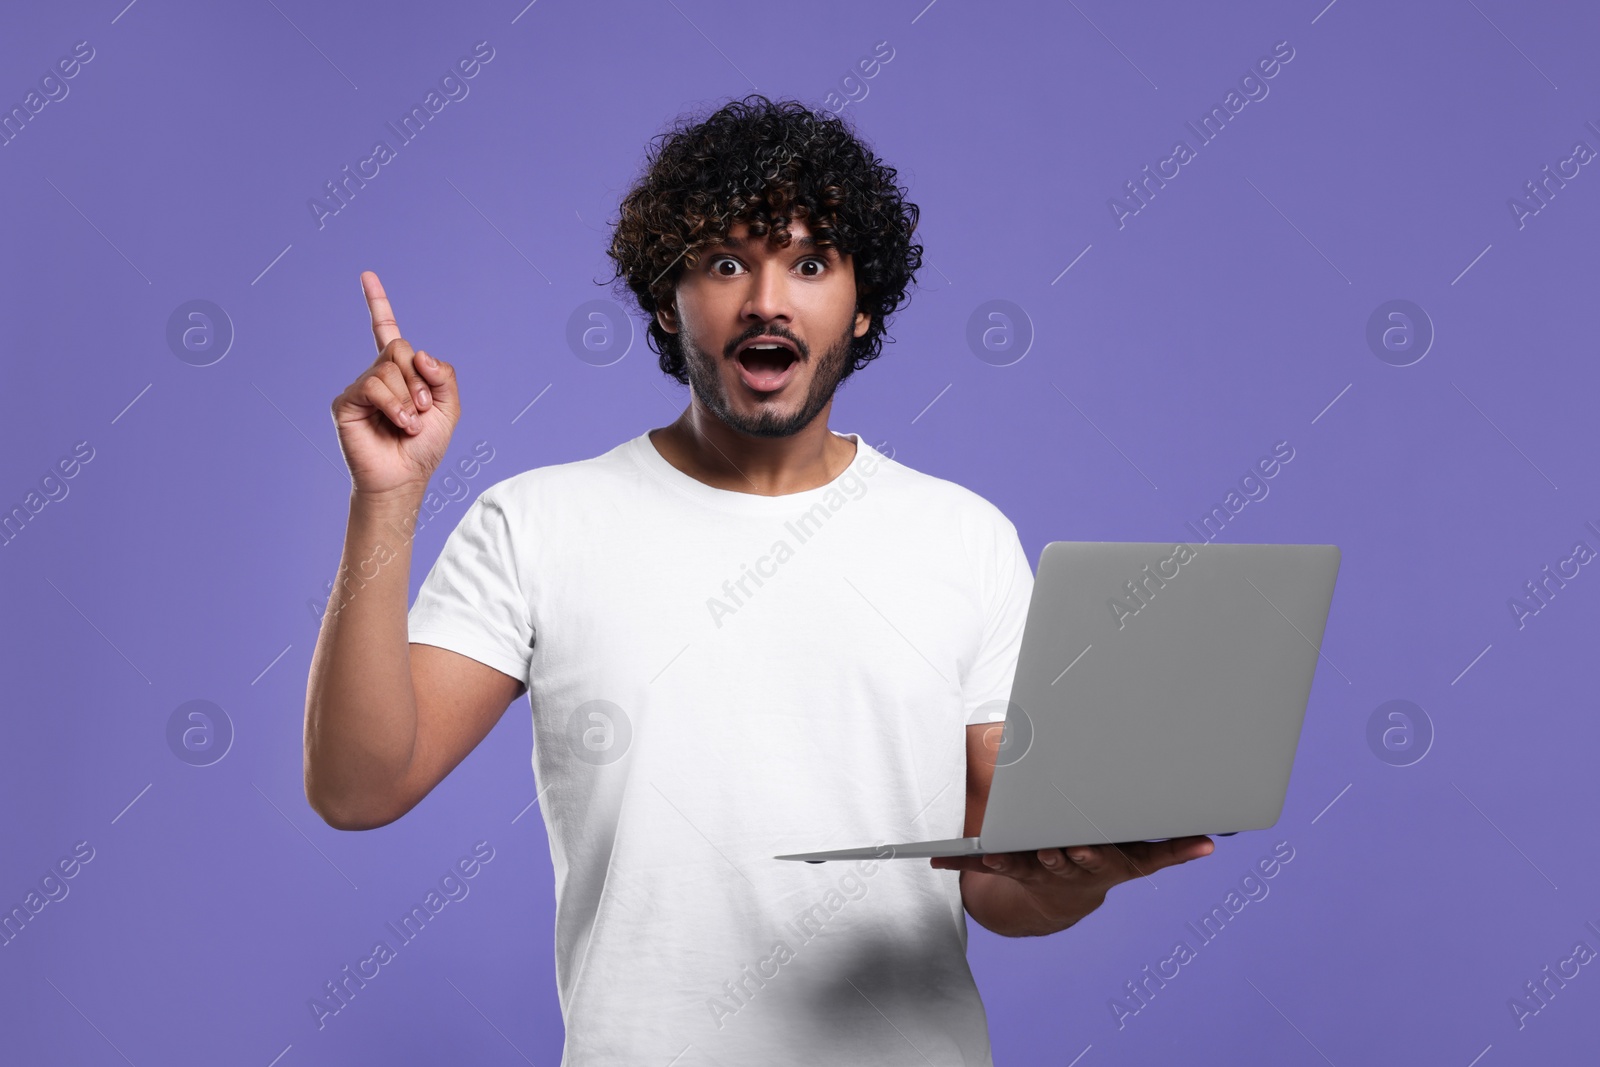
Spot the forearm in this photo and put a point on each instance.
(361, 716)
(1003, 906)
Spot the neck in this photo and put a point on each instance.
(708, 450)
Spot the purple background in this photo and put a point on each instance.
(1230, 313)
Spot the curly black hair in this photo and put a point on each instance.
(763, 163)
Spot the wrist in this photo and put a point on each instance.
(1004, 907)
(394, 510)
(406, 499)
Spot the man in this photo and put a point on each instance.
(741, 634)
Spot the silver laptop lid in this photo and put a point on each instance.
(1159, 691)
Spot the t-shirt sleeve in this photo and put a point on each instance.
(472, 600)
(1008, 585)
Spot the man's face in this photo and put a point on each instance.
(748, 291)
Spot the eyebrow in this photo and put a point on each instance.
(739, 242)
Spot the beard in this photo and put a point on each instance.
(705, 378)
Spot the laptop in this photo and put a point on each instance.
(1159, 693)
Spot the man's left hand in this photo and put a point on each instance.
(1033, 893)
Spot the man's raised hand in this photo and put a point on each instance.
(396, 418)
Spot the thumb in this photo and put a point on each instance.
(440, 377)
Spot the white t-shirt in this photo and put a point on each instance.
(719, 677)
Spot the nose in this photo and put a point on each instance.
(768, 297)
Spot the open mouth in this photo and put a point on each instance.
(766, 367)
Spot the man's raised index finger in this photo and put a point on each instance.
(384, 328)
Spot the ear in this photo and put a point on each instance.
(863, 323)
(667, 315)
